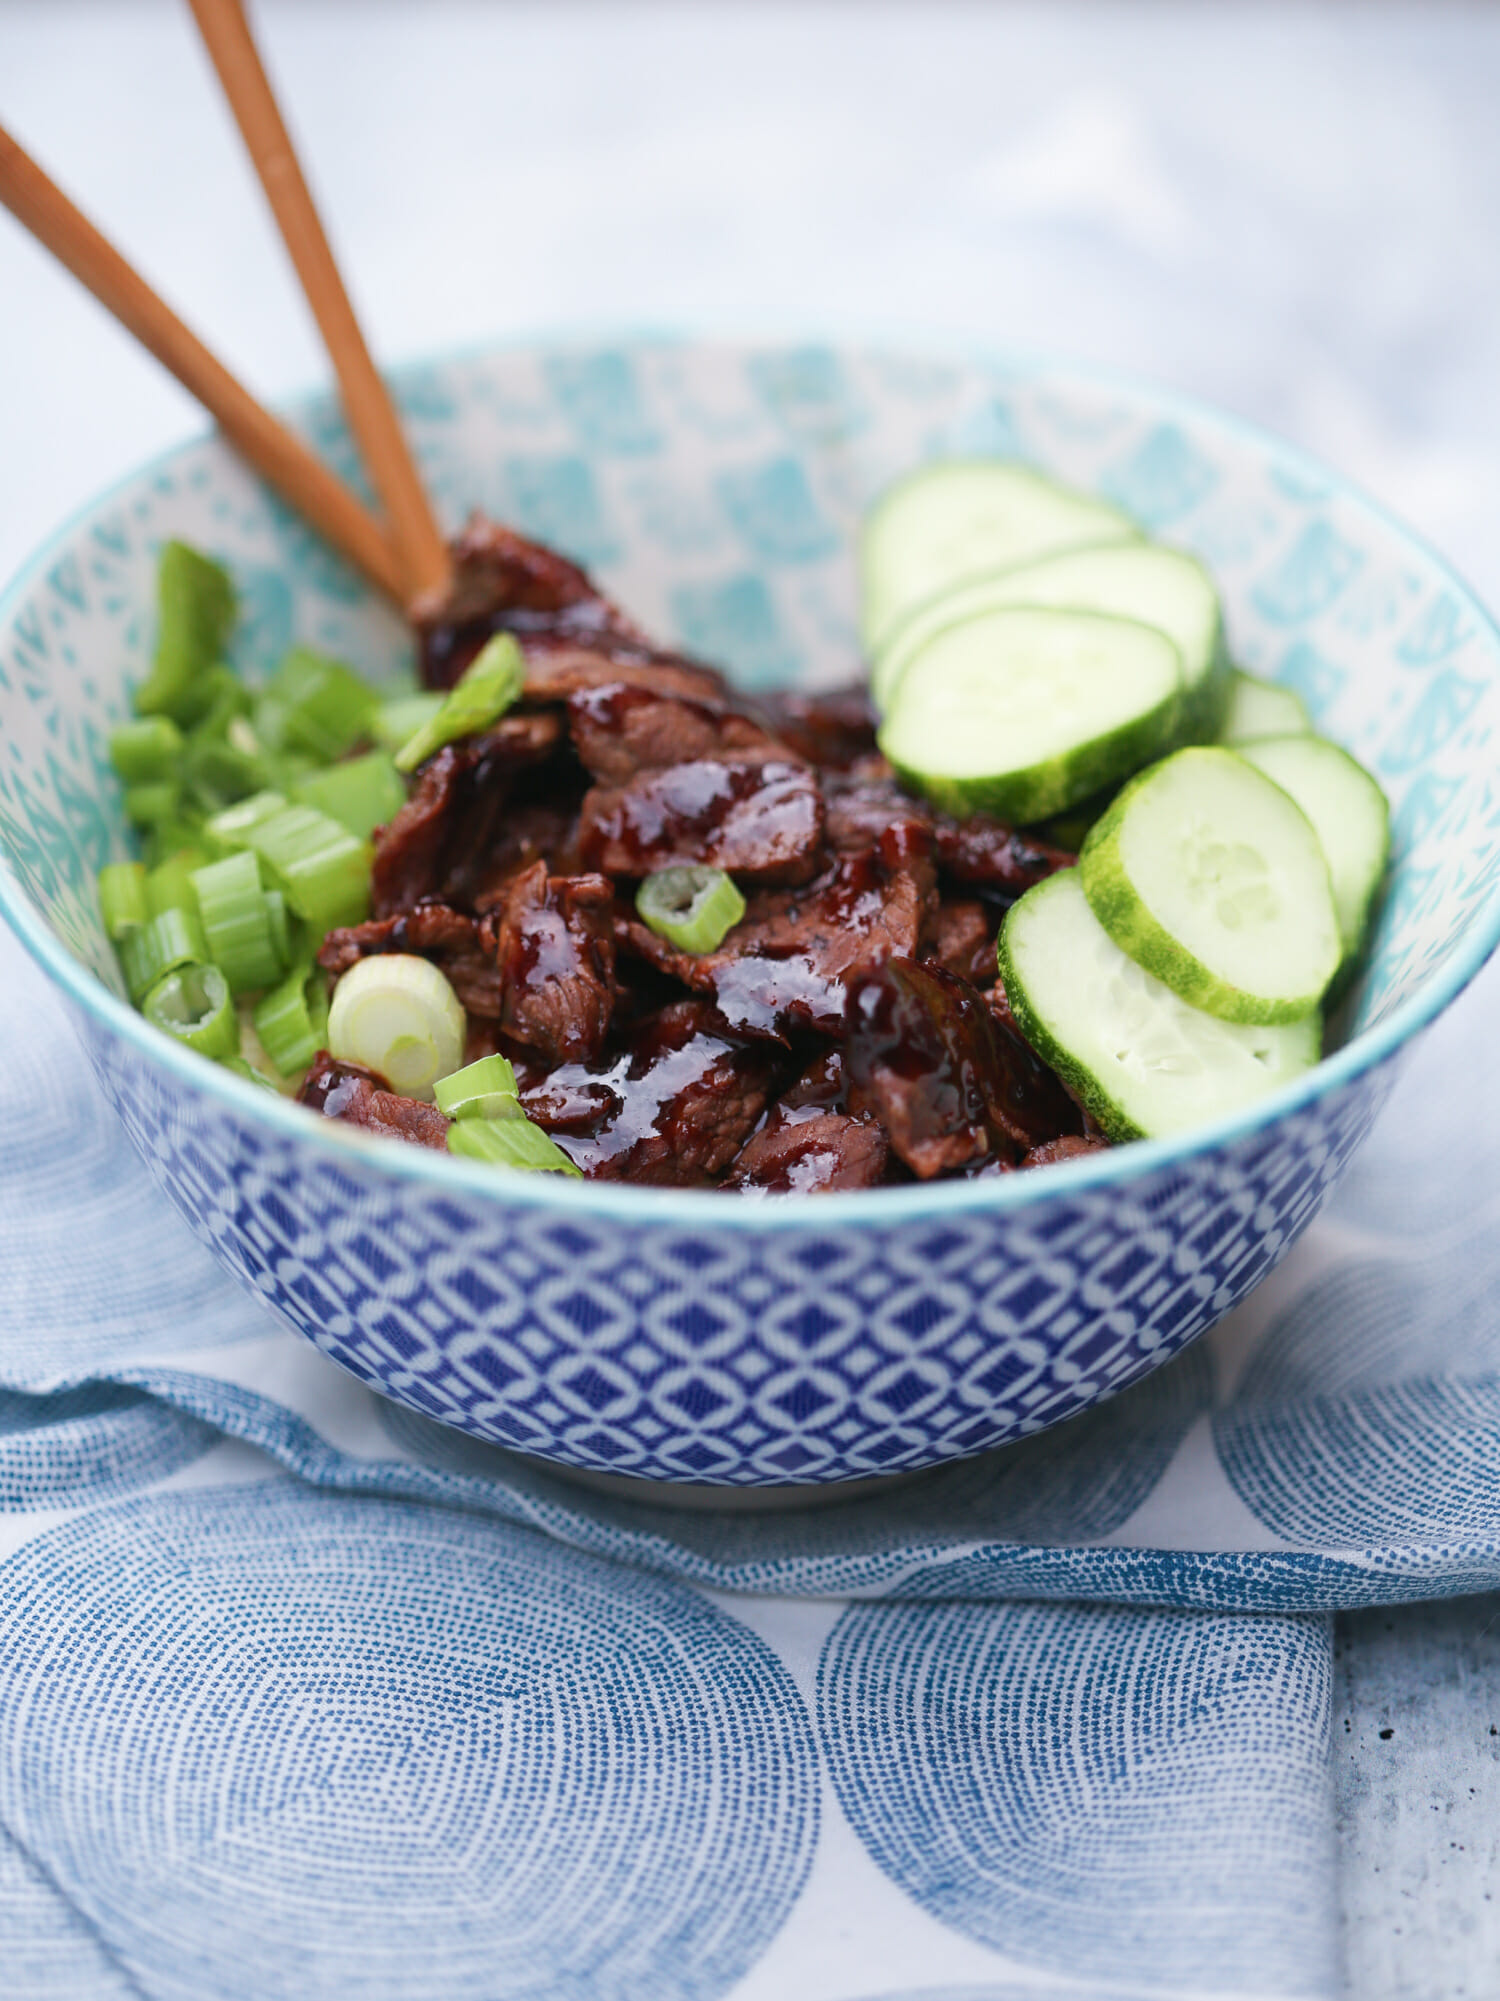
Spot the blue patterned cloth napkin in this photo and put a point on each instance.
(304, 1695)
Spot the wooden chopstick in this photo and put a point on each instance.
(367, 403)
(301, 479)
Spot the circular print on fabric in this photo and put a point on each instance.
(279, 1743)
(1367, 1417)
(1132, 1795)
(91, 1443)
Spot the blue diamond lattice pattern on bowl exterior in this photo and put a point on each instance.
(763, 1358)
(717, 488)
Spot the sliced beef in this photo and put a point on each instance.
(454, 941)
(1071, 1146)
(923, 1055)
(673, 1110)
(985, 854)
(349, 1092)
(623, 728)
(867, 808)
(570, 633)
(806, 1151)
(833, 730)
(761, 820)
(962, 939)
(441, 843)
(786, 964)
(555, 962)
(1037, 1106)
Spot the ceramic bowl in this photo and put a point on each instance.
(697, 1337)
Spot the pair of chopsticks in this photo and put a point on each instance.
(403, 553)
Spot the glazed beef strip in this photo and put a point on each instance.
(356, 1095)
(571, 635)
(555, 961)
(685, 781)
(786, 965)
(810, 1142)
(443, 841)
(673, 1109)
(951, 1085)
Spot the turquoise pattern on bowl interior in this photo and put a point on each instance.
(687, 1336)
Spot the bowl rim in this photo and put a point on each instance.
(697, 1208)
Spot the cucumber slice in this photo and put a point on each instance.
(961, 518)
(1210, 877)
(1349, 815)
(1144, 1063)
(1255, 708)
(1157, 586)
(1022, 713)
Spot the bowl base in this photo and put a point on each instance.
(689, 1495)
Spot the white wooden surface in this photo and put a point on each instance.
(1292, 211)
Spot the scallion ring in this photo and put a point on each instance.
(194, 1004)
(483, 1090)
(693, 908)
(398, 1016)
(515, 1143)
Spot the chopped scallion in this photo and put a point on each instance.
(169, 886)
(236, 922)
(483, 1090)
(248, 1071)
(693, 908)
(281, 922)
(400, 718)
(122, 898)
(194, 1005)
(159, 947)
(147, 804)
(398, 1016)
(171, 836)
(195, 608)
(486, 689)
(361, 794)
(323, 869)
(217, 775)
(291, 1030)
(515, 1143)
(145, 750)
(232, 826)
(316, 705)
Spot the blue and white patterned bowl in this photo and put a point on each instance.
(685, 1336)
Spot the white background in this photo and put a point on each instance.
(1293, 211)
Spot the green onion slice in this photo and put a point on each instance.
(147, 804)
(323, 869)
(195, 611)
(361, 794)
(510, 1142)
(486, 689)
(232, 827)
(122, 898)
(159, 947)
(145, 750)
(693, 908)
(483, 1090)
(316, 705)
(398, 1016)
(236, 922)
(401, 717)
(248, 1071)
(169, 886)
(194, 1004)
(290, 1020)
